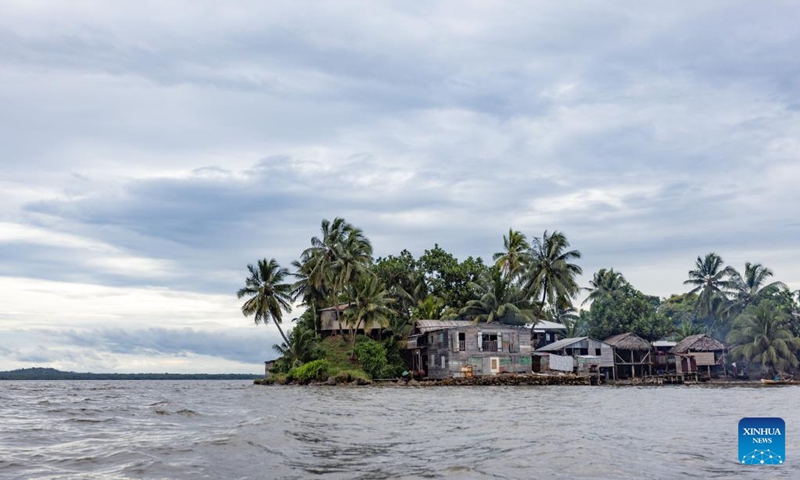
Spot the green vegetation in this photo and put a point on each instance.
(528, 281)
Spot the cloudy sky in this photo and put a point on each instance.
(150, 150)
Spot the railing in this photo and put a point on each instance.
(490, 346)
(462, 345)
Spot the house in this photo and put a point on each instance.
(576, 354)
(632, 355)
(268, 367)
(329, 325)
(663, 360)
(696, 351)
(546, 332)
(454, 348)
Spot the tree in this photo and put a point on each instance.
(710, 280)
(515, 254)
(448, 279)
(628, 311)
(369, 304)
(301, 349)
(267, 295)
(751, 288)
(499, 299)
(761, 334)
(604, 282)
(336, 258)
(550, 273)
(687, 329)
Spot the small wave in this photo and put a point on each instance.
(187, 412)
(90, 420)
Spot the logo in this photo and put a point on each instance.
(762, 441)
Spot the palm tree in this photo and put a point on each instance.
(337, 258)
(369, 304)
(267, 295)
(687, 329)
(429, 308)
(604, 282)
(710, 281)
(761, 334)
(550, 272)
(304, 288)
(302, 348)
(499, 300)
(515, 254)
(751, 288)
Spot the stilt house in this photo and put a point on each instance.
(697, 351)
(632, 355)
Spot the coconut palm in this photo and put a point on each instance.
(499, 300)
(711, 281)
(515, 254)
(687, 329)
(750, 289)
(429, 307)
(604, 282)
(550, 272)
(761, 334)
(304, 289)
(336, 258)
(268, 296)
(302, 348)
(369, 304)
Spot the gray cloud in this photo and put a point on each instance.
(185, 141)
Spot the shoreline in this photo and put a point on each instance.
(530, 380)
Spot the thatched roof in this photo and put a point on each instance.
(698, 343)
(628, 341)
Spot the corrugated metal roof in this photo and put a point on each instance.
(556, 346)
(425, 326)
(543, 325)
(664, 343)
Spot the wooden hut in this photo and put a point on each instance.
(632, 355)
(663, 360)
(700, 350)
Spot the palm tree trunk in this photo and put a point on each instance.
(544, 297)
(286, 340)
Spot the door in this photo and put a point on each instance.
(494, 365)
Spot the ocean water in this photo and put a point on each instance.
(233, 429)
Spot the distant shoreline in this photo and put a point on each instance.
(58, 375)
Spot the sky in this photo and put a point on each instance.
(151, 150)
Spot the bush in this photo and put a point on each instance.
(316, 370)
(372, 357)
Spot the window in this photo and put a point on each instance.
(513, 344)
(597, 351)
(489, 342)
(462, 342)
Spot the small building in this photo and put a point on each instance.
(663, 360)
(577, 354)
(546, 332)
(454, 348)
(268, 367)
(329, 325)
(632, 355)
(697, 351)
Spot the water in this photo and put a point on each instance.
(232, 429)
